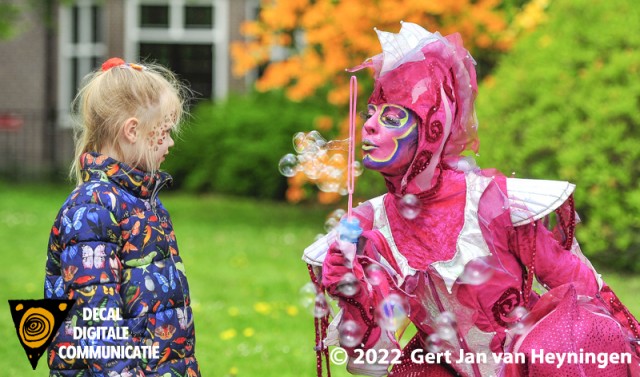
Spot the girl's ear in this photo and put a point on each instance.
(130, 130)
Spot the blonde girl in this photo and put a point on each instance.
(112, 246)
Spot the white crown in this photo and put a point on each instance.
(400, 48)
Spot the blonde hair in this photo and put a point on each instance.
(107, 98)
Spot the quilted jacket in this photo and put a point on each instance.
(112, 246)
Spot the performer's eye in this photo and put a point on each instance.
(390, 120)
(394, 116)
(364, 115)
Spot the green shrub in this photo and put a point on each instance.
(564, 104)
(234, 146)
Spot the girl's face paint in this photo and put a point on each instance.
(160, 139)
(389, 138)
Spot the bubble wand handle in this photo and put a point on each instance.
(353, 97)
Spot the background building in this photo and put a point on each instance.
(59, 43)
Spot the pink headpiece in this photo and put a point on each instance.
(435, 77)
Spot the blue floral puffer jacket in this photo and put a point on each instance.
(112, 247)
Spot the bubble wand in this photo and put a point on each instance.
(353, 97)
(350, 226)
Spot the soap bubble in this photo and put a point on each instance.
(519, 328)
(350, 333)
(445, 326)
(337, 160)
(476, 272)
(446, 319)
(434, 343)
(308, 294)
(333, 219)
(288, 165)
(392, 312)
(357, 168)
(517, 321)
(348, 285)
(466, 164)
(300, 142)
(374, 274)
(317, 139)
(321, 307)
(446, 332)
(329, 185)
(518, 313)
(409, 206)
(330, 224)
(322, 162)
(310, 166)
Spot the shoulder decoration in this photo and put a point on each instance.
(533, 199)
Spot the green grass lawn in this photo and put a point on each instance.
(243, 263)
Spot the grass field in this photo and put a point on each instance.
(243, 263)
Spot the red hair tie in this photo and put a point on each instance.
(113, 62)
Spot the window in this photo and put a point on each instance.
(154, 16)
(198, 17)
(81, 49)
(191, 37)
(193, 63)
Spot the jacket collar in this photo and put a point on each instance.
(96, 166)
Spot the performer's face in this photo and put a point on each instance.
(389, 138)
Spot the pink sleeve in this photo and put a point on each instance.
(359, 307)
(550, 261)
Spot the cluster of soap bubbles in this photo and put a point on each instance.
(322, 162)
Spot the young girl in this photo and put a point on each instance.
(455, 249)
(112, 247)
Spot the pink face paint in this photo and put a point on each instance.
(389, 138)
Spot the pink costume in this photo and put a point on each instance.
(469, 219)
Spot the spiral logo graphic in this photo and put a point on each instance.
(35, 327)
(37, 322)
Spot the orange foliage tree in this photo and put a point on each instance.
(306, 45)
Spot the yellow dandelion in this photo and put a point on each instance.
(228, 334)
(292, 310)
(233, 371)
(248, 332)
(262, 307)
(233, 311)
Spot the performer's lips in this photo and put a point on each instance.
(367, 145)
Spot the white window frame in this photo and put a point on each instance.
(218, 35)
(85, 50)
